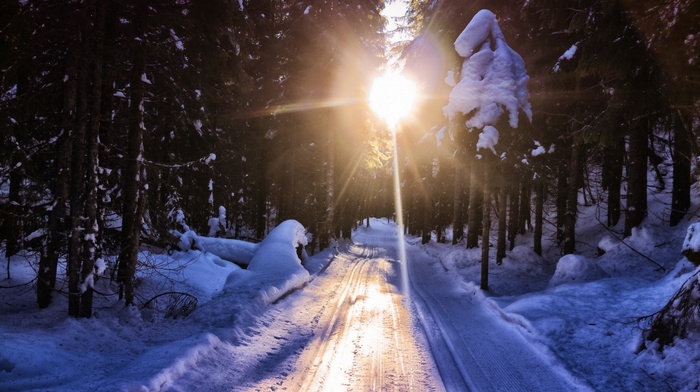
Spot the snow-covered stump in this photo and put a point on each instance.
(691, 244)
(576, 269)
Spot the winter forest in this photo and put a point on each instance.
(127, 124)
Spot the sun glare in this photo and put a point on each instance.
(392, 97)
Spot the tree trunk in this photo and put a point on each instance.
(475, 207)
(327, 227)
(132, 177)
(524, 208)
(458, 203)
(262, 196)
(90, 245)
(514, 215)
(561, 201)
(539, 207)
(572, 202)
(13, 223)
(682, 153)
(485, 226)
(502, 222)
(48, 263)
(637, 178)
(612, 179)
(429, 211)
(77, 191)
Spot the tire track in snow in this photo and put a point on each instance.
(330, 339)
(367, 342)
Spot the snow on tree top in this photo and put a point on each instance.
(477, 31)
(493, 79)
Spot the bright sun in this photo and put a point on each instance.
(391, 97)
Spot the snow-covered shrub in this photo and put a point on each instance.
(680, 316)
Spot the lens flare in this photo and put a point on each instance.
(391, 97)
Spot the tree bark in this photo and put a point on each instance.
(90, 245)
(132, 177)
(475, 214)
(458, 203)
(524, 208)
(485, 227)
(513, 215)
(637, 178)
(48, 263)
(682, 153)
(13, 222)
(502, 222)
(539, 208)
(561, 201)
(429, 212)
(327, 227)
(572, 202)
(77, 191)
(262, 196)
(613, 163)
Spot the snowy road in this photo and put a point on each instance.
(366, 341)
(363, 337)
(350, 329)
(475, 346)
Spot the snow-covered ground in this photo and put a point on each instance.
(261, 328)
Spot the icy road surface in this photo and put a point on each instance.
(350, 329)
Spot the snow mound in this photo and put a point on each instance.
(205, 274)
(691, 244)
(575, 269)
(641, 239)
(607, 243)
(277, 253)
(277, 263)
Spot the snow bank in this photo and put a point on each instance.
(228, 249)
(575, 269)
(205, 274)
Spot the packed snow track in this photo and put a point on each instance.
(366, 341)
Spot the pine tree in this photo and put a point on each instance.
(491, 93)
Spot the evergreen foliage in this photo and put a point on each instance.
(128, 121)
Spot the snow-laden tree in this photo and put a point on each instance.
(491, 94)
(493, 80)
